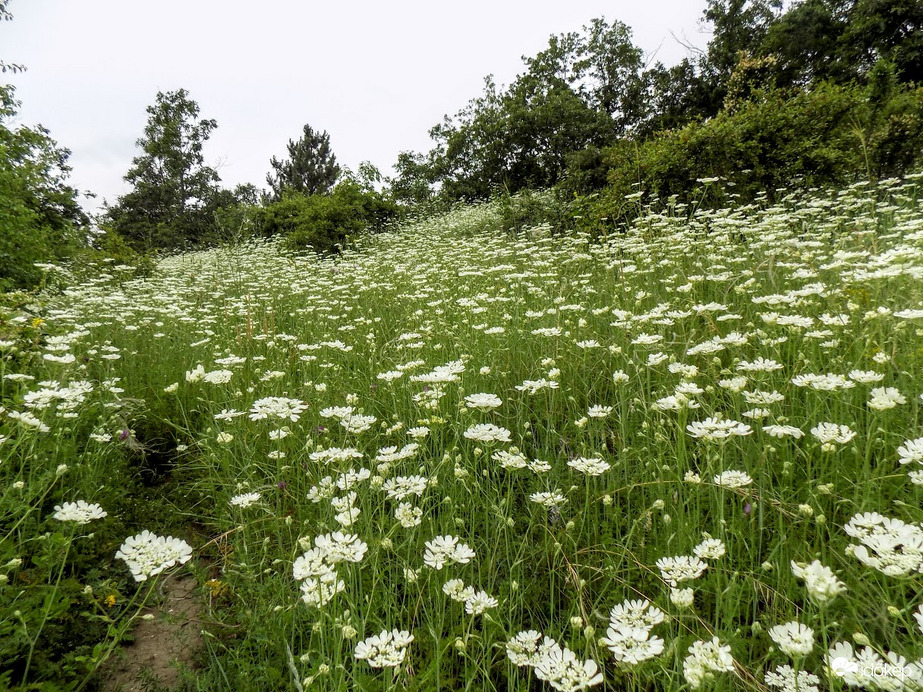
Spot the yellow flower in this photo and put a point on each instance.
(110, 600)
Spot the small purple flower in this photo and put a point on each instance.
(747, 509)
(282, 485)
(125, 434)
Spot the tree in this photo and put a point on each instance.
(40, 217)
(175, 193)
(886, 29)
(310, 169)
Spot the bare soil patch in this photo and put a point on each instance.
(162, 646)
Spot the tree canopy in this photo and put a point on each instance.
(40, 216)
(175, 194)
(311, 167)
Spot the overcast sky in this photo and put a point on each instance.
(375, 75)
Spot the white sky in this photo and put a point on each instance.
(375, 75)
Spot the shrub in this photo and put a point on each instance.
(324, 223)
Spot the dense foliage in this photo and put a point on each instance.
(40, 216)
(325, 223)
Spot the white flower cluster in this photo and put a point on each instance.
(79, 512)
(147, 554)
(820, 581)
(487, 432)
(557, 666)
(865, 668)
(445, 549)
(705, 659)
(384, 650)
(681, 568)
(476, 602)
(483, 401)
(793, 639)
(316, 569)
(629, 635)
(279, 407)
(244, 500)
(718, 429)
(891, 546)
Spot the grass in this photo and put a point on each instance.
(663, 323)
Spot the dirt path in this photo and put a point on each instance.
(163, 645)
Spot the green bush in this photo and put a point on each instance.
(325, 223)
(827, 135)
(40, 219)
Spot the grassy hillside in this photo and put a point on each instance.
(680, 454)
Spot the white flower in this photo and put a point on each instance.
(479, 602)
(632, 645)
(357, 423)
(384, 650)
(195, 375)
(561, 669)
(830, 433)
(486, 432)
(884, 398)
(682, 598)
(784, 678)
(79, 512)
(717, 429)
(865, 376)
(820, 581)
(592, 467)
(710, 549)
(783, 431)
(311, 564)
(245, 500)
(483, 402)
(681, 568)
(733, 479)
(911, 451)
(445, 549)
(525, 650)
(147, 554)
(793, 639)
(277, 407)
(598, 411)
(408, 515)
(705, 658)
(340, 547)
(548, 499)
(635, 613)
(318, 592)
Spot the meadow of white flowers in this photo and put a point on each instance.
(688, 455)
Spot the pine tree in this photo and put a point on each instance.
(310, 169)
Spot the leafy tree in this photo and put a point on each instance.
(738, 26)
(40, 217)
(414, 180)
(310, 168)
(806, 41)
(175, 193)
(886, 29)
